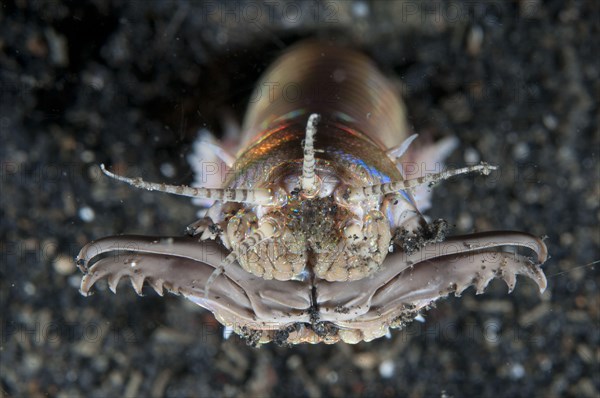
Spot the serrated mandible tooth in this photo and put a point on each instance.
(479, 289)
(86, 285)
(540, 278)
(113, 282)
(137, 281)
(481, 284)
(460, 289)
(157, 285)
(510, 278)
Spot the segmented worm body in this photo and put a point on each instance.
(316, 234)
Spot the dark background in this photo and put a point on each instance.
(130, 83)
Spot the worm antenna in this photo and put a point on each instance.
(308, 182)
(360, 193)
(257, 196)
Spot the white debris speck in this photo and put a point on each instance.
(387, 368)
(87, 214)
(420, 318)
(133, 264)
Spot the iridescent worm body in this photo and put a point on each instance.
(316, 235)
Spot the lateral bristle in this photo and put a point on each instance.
(397, 152)
(539, 277)
(207, 234)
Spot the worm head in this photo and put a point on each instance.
(319, 223)
(318, 243)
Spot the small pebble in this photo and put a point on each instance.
(93, 80)
(339, 75)
(29, 288)
(360, 9)
(74, 281)
(294, 362)
(465, 222)
(521, 151)
(87, 156)
(387, 368)
(474, 40)
(471, 156)
(87, 214)
(546, 364)
(332, 377)
(63, 264)
(550, 122)
(37, 46)
(57, 43)
(529, 8)
(491, 329)
(32, 362)
(365, 360)
(168, 170)
(517, 371)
